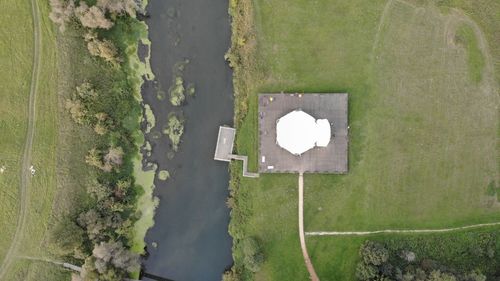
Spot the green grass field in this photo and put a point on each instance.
(423, 85)
(15, 60)
(58, 149)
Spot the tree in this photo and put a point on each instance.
(93, 223)
(61, 12)
(118, 6)
(115, 254)
(475, 276)
(101, 48)
(437, 275)
(92, 17)
(373, 253)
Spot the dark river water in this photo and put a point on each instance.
(192, 219)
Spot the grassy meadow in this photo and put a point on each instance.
(423, 83)
(16, 58)
(59, 183)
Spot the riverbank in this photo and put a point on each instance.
(113, 194)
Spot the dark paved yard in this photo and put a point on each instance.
(330, 159)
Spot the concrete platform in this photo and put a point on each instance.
(225, 142)
(330, 159)
(224, 150)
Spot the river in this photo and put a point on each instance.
(192, 219)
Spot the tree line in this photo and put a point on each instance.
(100, 235)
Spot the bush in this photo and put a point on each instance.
(230, 275)
(102, 232)
(253, 256)
(176, 91)
(378, 263)
(373, 253)
(163, 175)
(365, 271)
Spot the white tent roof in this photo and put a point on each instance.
(298, 132)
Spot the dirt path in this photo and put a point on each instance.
(307, 260)
(26, 159)
(450, 229)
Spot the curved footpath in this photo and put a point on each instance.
(26, 159)
(340, 233)
(307, 260)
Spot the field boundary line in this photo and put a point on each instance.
(25, 174)
(360, 233)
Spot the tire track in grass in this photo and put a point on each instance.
(25, 174)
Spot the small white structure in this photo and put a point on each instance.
(298, 132)
(32, 170)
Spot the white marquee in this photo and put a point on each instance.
(298, 132)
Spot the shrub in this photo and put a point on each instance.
(437, 275)
(174, 130)
(230, 275)
(176, 91)
(253, 256)
(163, 175)
(76, 110)
(69, 236)
(190, 89)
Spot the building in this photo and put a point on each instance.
(298, 133)
(303, 133)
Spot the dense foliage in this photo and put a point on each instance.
(412, 259)
(100, 236)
